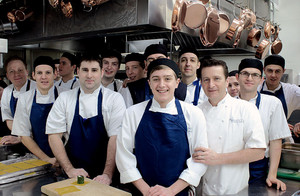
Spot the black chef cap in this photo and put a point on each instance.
(233, 73)
(136, 57)
(43, 60)
(164, 61)
(56, 61)
(111, 54)
(189, 50)
(71, 57)
(154, 49)
(276, 60)
(252, 63)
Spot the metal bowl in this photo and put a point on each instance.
(290, 156)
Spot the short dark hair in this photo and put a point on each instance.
(214, 62)
(111, 54)
(72, 58)
(136, 57)
(14, 58)
(233, 73)
(89, 58)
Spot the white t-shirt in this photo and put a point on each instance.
(21, 124)
(61, 86)
(190, 94)
(62, 113)
(291, 95)
(196, 133)
(5, 100)
(232, 125)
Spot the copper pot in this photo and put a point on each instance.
(224, 20)
(196, 14)
(254, 37)
(23, 13)
(67, 9)
(276, 47)
(204, 1)
(54, 3)
(232, 29)
(268, 30)
(178, 14)
(262, 49)
(12, 15)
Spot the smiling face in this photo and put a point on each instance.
(273, 75)
(188, 65)
(249, 84)
(233, 86)
(44, 76)
(110, 67)
(17, 73)
(90, 75)
(163, 83)
(134, 71)
(214, 83)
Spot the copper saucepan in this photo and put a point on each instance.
(262, 49)
(204, 1)
(178, 14)
(66, 8)
(277, 44)
(224, 20)
(12, 15)
(196, 14)
(23, 13)
(210, 29)
(268, 30)
(254, 37)
(54, 3)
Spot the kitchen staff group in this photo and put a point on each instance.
(162, 129)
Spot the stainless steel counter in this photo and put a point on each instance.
(32, 187)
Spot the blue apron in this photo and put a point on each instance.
(13, 100)
(279, 94)
(87, 144)
(161, 147)
(38, 118)
(258, 169)
(74, 80)
(197, 92)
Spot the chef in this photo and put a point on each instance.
(33, 108)
(289, 94)
(110, 63)
(273, 119)
(188, 64)
(158, 137)
(234, 131)
(233, 84)
(139, 89)
(67, 66)
(16, 73)
(89, 117)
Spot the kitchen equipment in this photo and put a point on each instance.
(234, 25)
(290, 156)
(255, 33)
(23, 13)
(277, 44)
(90, 187)
(66, 8)
(288, 173)
(268, 29)
(178, 14)
(12, 15)
(54, 3)
(263, 49)
(196, 14)
(224, 20)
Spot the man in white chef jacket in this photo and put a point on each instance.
(33, 108)
(158, 137)
(89, 117)
(188, 64)
(289, 94)
(67, 66)
(273, 118)
(110, 64)
(17, 74)
(235, 134)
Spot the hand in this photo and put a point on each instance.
(53, 161)
(206, 156)
(158, 190)
(273, 180)
(73, 173)
(103, 179)
(10, 139)
(127, 80)
(296, 129)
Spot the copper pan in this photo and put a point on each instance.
(23, 13)
(262, 49)
(268, 30)
(224, 20)
(209, 30)
(204, 1)
(178, 14)
(254, 37)
(54, 3)
(12, 15)
(196, 14)
(248, 18)
(277, 44)
(232, 29)
(67, 9)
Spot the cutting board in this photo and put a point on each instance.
(70, 187)
(288, 173)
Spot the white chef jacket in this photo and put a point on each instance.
(5, 101)
(196, 133)
(119, 84)
(125, 92)
(232, 125)
(62, 86)
(21, 124)
(291, 95)
(190, 94)
(273, 119)
(62, 113)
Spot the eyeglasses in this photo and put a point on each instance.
(255, 76)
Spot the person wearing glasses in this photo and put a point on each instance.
(17, 74)
(273, 118)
